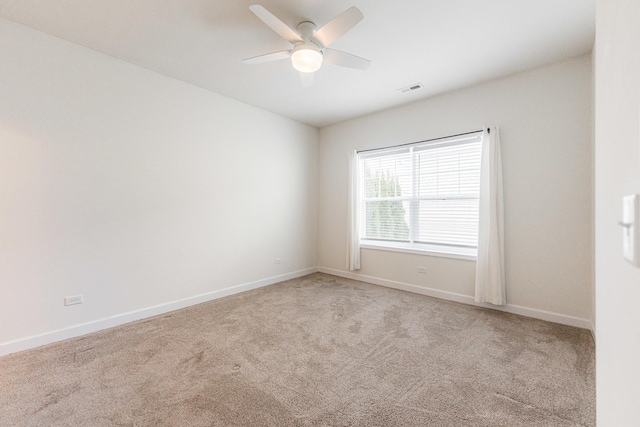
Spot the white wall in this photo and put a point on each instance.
(545, 120)
(617, 174)
(135, 189)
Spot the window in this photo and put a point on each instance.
(422, 196)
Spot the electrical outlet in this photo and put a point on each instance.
(422, 270)
(76, 299)
(277, 261)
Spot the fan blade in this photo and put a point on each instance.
(344, 59)
(275, 24)
(275, 56)
(306, 79)
(338, 26)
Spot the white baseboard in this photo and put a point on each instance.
(120, 319)
(465, 299)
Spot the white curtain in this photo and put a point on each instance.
(490, 278)
(353, 232)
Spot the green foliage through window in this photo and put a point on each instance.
(386, 219)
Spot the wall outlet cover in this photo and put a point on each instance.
(76, 299)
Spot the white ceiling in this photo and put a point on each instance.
(444, 44)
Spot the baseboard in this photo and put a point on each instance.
(120, 319)
(465, 299)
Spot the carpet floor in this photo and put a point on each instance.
(314, 351)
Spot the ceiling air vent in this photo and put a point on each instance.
(411, 88)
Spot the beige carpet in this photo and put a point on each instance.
(314, 351)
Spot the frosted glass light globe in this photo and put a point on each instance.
(306, 59)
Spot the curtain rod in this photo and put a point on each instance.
(420, 142)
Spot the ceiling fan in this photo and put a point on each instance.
(310, 44)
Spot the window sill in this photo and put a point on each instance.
(429, 250)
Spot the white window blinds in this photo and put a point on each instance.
(387, 195)
(423, 193)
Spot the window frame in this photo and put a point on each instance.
(414, 246)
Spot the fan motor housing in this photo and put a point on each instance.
(306, 30)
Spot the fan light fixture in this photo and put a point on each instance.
(310, 44)
(306, 58)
